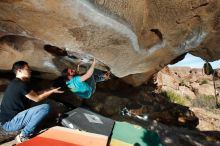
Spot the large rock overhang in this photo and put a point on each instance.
(130, 37)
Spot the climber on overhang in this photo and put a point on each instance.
(83, 85)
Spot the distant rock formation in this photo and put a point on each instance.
(185, 81)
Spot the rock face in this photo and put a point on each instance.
(139, 101)
(3, 84)
(129, 37)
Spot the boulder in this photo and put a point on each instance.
(129, 37)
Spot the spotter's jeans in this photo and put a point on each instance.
(27, 120)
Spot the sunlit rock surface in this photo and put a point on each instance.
(129, 37)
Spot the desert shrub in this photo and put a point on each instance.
(188, 97)
(174, 97)
(204, 101)
(203, 82)
(182, 83)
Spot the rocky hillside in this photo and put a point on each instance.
(197, 91)
(185, 81)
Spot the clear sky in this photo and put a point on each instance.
(194, 62)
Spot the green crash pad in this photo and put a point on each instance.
(129, 134)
